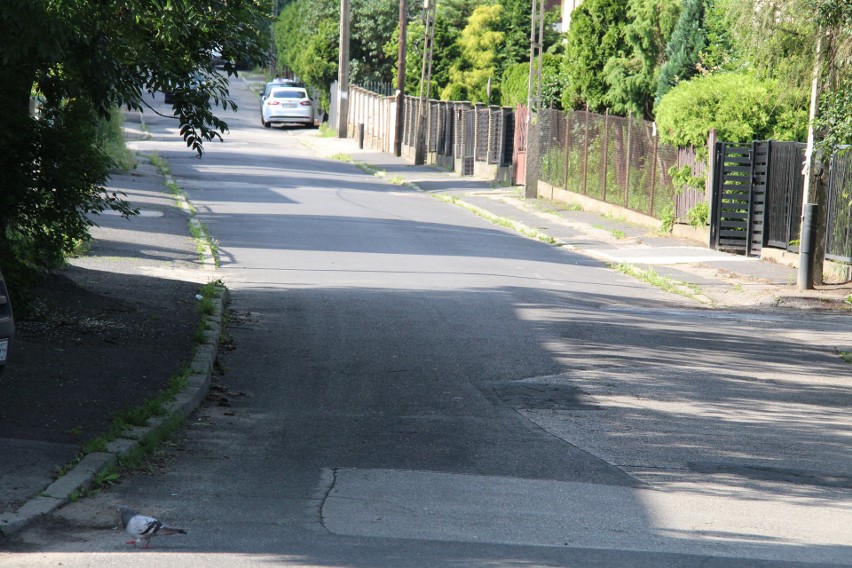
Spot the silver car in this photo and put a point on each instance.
(7, 323)
(287, 105)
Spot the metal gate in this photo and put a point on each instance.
(739, 197)
(519, 156)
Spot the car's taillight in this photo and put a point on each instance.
(306, 103)
(270, 103)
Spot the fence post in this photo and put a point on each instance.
(627, 162)
(654, 168)
(605, 153)
(567, 154)
(586, 154)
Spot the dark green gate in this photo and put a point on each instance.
(739, 197)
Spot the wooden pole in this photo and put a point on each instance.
(343, 72)
(400, 78)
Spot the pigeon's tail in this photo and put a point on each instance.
(165, 530)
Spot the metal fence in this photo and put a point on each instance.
(838, 236)
(458, 134)
(784, 193)
(612, 159)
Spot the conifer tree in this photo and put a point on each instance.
(684, 47)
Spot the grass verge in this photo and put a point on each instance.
(204, 243)
(650, 276)
(326, 131)
(502, 221)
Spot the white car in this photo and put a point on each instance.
(287, 105)
(275, 84)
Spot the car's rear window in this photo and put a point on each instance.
(289, 94)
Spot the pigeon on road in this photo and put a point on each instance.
(143, 528)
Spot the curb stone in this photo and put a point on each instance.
(84, 473)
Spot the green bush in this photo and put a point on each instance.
(699, 215)
(668, 218)
(44, 209)
(515, 84)
(682, 178)
(110, 138)
(740, 107)
(553, 167)
(455, 92)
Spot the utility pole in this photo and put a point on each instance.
(343, 72)
(811, 257)
(273, 61)
(534, 82)
(400, 78)
(430, 9)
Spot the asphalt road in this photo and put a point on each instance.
(424, 388)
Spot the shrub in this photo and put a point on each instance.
(455, 92)
(110, 138)
(699, 215)
(515, 84)
(740, 107)
(683, 178)
(668, 218)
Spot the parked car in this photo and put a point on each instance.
(276, 83)
(216, 58)
(287, 105)
(196, 80)
(7, 323)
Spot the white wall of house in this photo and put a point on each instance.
(568, 6)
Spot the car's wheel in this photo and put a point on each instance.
(265, 124)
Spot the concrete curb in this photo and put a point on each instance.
(84, 473)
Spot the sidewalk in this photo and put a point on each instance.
(707, 277)
(107, 332)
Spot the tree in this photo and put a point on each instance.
(515, 82)
(777, 39)
(413, 57)
(372, 25)
(684, 47)
(451, 19)
(479, 41)
(632, 79)
(835, 109)
(311, 56)
(515, 23)
(595, 36)
(81, 59)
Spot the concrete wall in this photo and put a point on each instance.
(547, 191)
(832, 272)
